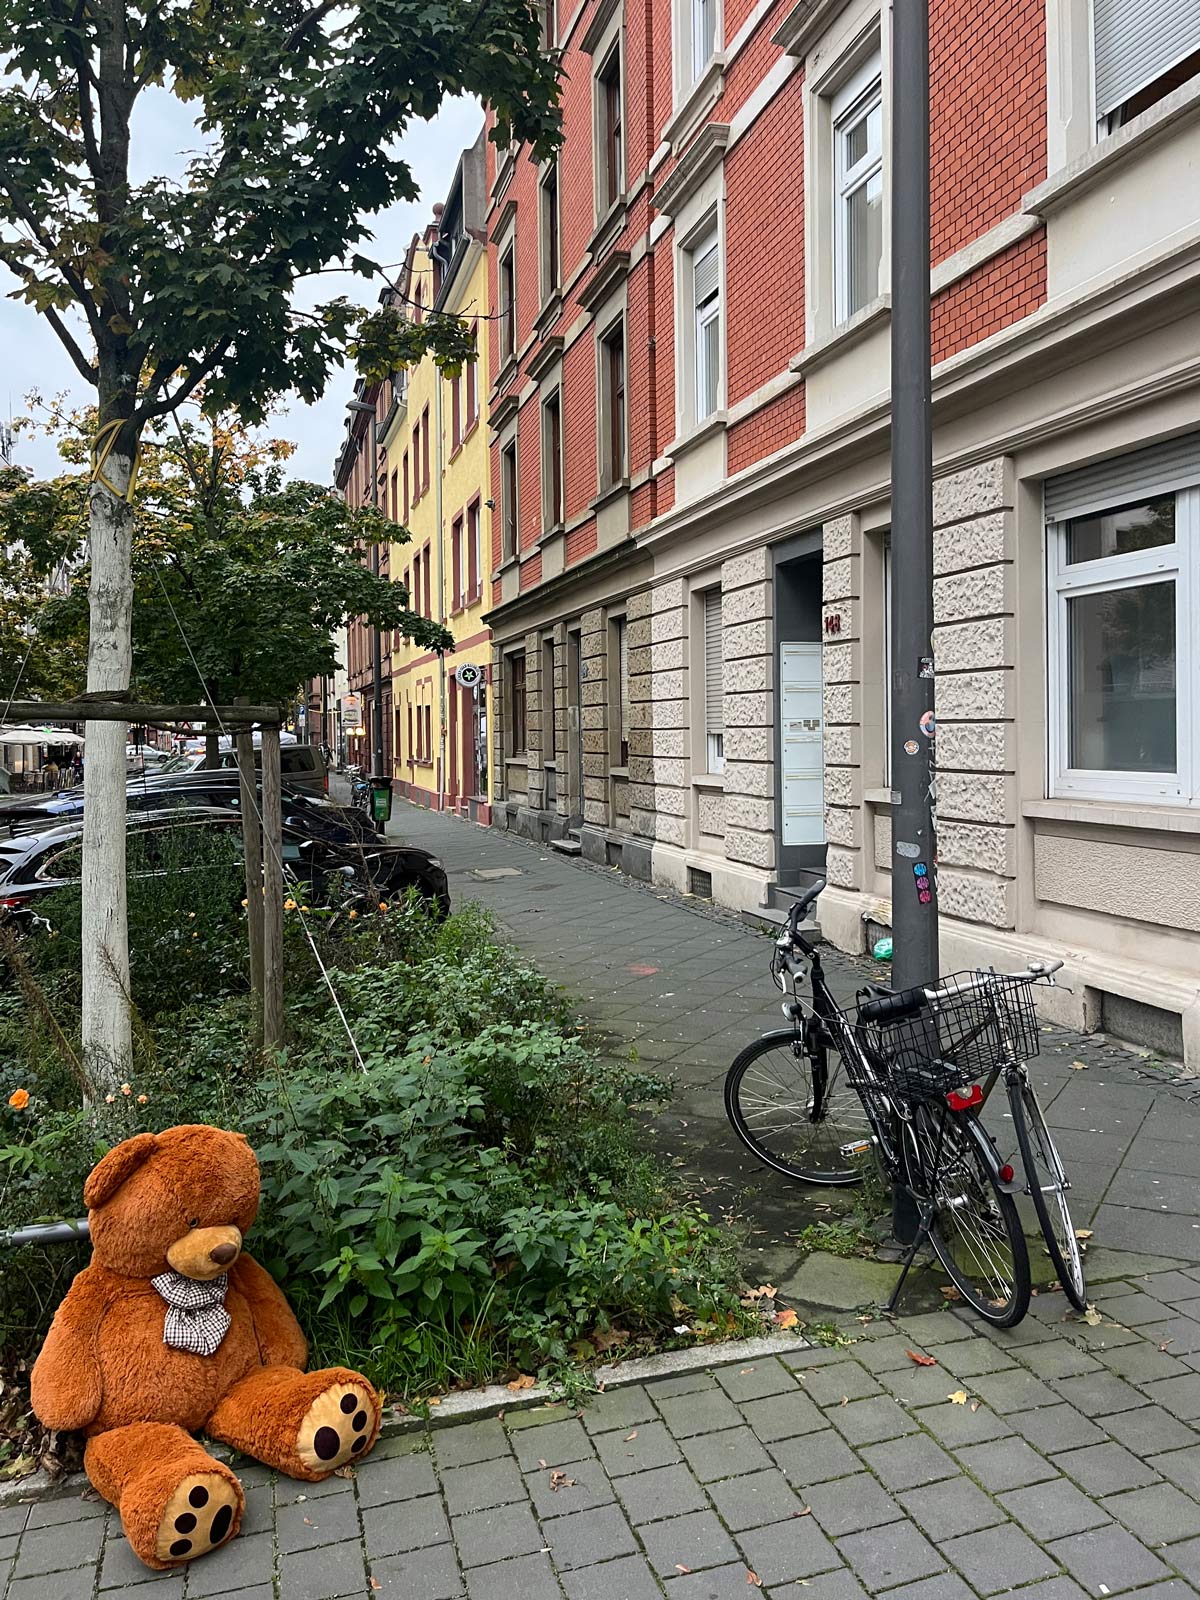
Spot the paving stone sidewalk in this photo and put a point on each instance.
(1071, 1469)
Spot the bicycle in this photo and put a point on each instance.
(812, 1100)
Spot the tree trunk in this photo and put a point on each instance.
(104, 933)
(272, 823)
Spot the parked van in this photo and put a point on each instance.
(300, 764)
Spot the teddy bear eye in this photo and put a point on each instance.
(194, 1223)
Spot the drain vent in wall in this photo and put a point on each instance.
(700, 883)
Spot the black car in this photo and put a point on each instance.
(34, 865)
(312, 814)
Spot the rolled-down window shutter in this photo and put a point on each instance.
(1120, 480)
(714, 679)
(704, 274)
(1136, 41)
(623, 630)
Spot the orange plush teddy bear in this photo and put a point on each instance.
(172, 1329)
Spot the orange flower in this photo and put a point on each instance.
(19, 1099)
(142, 1099)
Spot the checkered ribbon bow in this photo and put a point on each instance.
(196, 1316)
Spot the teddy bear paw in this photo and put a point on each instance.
(200, 1515)
(338, 1426)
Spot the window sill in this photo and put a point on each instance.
(548, 312)
(506, 372)
(882, 797)
(708, 780)
(610, 492)
(552, 530)
(619, 772)
(608, 226)
(844, 337)
(1145, 816)
(696, 102)
(717, 422)
(1178, 109)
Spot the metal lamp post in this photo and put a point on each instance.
(377, 773)
(914, 847)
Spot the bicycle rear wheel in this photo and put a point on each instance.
(796, 1110)
(1047, 1183)
(974, 1229)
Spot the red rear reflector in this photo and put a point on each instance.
(964, 1099)
(1006, 1173)
(10, 902)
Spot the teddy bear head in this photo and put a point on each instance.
(179, 1200)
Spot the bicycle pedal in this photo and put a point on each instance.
(860, 1147)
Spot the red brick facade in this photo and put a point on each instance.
(988, 142)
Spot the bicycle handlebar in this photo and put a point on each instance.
(893, 1007)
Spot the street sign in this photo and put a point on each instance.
(469, 676)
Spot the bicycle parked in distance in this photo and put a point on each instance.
(893, 1080)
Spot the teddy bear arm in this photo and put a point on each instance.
(66, 1385)
(275, 1326)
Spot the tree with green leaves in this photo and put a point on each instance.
(158, 287)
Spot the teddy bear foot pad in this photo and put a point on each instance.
(337, 1427)
(199, 1516)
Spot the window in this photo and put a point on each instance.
(427, 575)
(456, 411)
(552, 461)
(456, 561)
(549, 24)
(704, 34)
(610, 130)
(707, 295)
(1124, 587)
(414, 594)
(508, 304)
(549, 748)
(549, 206)
(416, 459)
(621, 632)
(612, 396)
(1142, 50)
(508, 501)
(474, 562)
(714, 682)
(858, 190)
(516, 696)
(418, 303)
(395, 511)
(406, 501)
(472, 406)
(425, 451)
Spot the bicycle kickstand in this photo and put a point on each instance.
(922, 1233)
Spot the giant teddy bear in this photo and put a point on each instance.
(172, 1329)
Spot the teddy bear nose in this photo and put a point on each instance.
(223, 1254)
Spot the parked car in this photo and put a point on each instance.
(302, 764)
(313, 814)
(35, 865)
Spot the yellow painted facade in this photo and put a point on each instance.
(437, 466)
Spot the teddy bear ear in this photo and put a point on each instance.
(120, 1163)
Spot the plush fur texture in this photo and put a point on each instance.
(179, 1200)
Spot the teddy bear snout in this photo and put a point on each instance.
(205, 1252)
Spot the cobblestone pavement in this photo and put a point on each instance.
(1071, 1468)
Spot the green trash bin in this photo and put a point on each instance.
(381, 800)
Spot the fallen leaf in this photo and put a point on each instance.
(958, 1398)
(921, 1361)
(375, 1583)
(786, 1319)
(629, 1436)
(807, 1512)
(765, 1291)
(949, 1292)
(343, 1472)
(309, 1523)
(542, 1462)
(845, 1400)
(523, 1382)
(974, 1405)
(753, 1579)
(1092, 1317)
(679, 1567)
(1083, 1233)
(1079, 1066)
(746, 1371)
(1163, 1346)
(434, 1400)
(559, 1480)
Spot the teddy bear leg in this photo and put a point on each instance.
(176, 1502)
(306, 1424)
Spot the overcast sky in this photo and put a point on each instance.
(32, 358)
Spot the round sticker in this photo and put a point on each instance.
(911, 747)
(928, 724)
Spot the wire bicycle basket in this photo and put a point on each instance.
(985, 1021)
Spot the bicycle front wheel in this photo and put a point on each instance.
(796, 1110)
(974, 1227)
(1047, 1184)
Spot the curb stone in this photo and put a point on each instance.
(476, 1404)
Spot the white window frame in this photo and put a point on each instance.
(611, 54)
(1179, 563)
(699, 9)
(714, 742)
(861, 94)
(703, 316)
